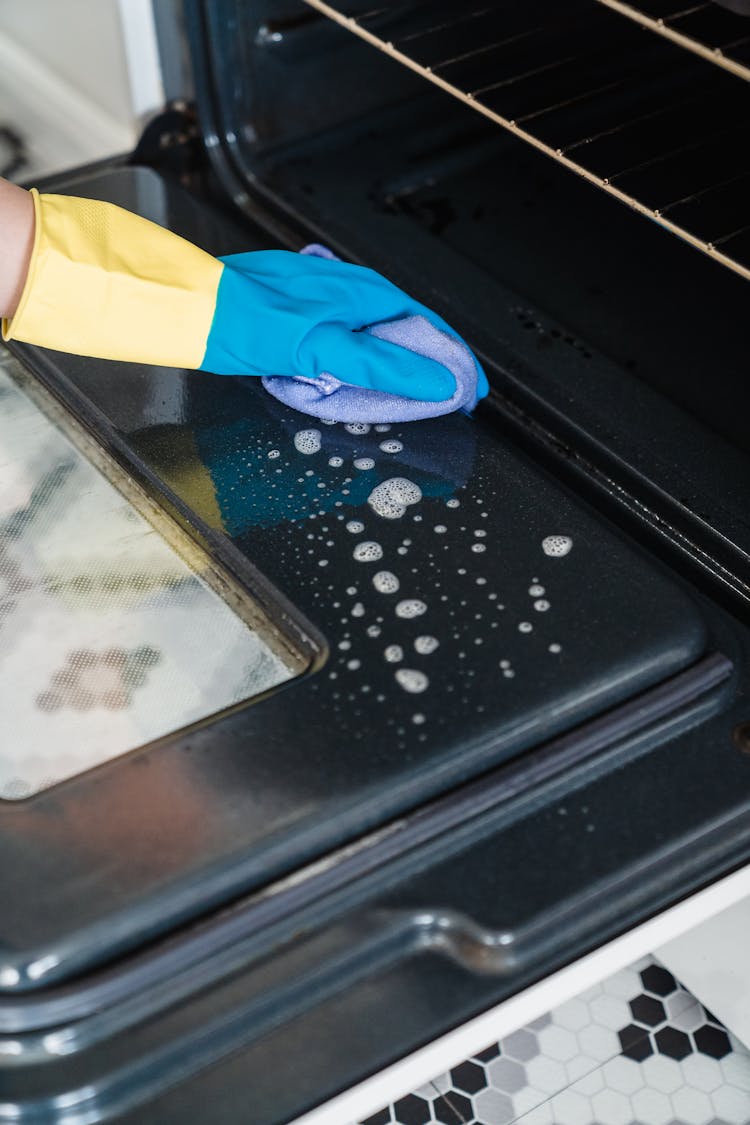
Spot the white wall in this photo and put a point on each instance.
(80, 41)
(77, 76)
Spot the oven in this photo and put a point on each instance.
(322, 740)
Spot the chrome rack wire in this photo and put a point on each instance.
(659, 128)
(714, 33)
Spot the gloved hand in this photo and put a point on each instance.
(105, 282)
(311, 309)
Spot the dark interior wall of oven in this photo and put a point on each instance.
(409, 180)
(288, 74)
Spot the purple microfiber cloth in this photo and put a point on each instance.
(327, 397)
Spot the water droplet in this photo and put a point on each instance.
(373, 630)
(542, 605)
(411, 680)
(426, 644)
(452, 503)
(441, 528)
(307, 441)
(368, 551)
(480, 532)
(273, 453)
(536, 591)
(336, 462)
(357, 427)
(525, 627)
(355, 526)
(358, 610)
(344, 645)
(477, 548)
(391, 446)
(393, 654)
(418, 719)
(382, 427)
(364, 463)
(353, 665)
(351, 591)
(555, 647)
(391, 498)
(557, 545)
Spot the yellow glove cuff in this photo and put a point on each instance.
(105, 282)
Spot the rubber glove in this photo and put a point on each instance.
(107, 283)
(312, 309)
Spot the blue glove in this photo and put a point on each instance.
(281, 313)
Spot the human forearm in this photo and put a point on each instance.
(16, 242)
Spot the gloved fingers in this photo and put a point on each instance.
(483, 386)
(372, 299)
(332, 291)
(365, 361)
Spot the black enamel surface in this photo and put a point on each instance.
(133, 847)
(568, 864)
(395, 960)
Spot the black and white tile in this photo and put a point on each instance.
(636, 1049)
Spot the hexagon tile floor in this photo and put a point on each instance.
(637, 1049)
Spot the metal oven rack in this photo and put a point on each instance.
(712, 32)
(662, 129)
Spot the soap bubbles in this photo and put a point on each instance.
(385, 582)
(368, 551)
(410, 607)
(557, 545)
(307, 441)
(411, 680)
(391, 498)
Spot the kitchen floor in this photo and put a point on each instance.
(637, 1049)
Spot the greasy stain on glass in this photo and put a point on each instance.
(115, 628)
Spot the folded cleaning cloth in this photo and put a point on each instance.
(328, 397)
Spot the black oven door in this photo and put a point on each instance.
(500, 728)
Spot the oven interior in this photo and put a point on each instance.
(625, 338)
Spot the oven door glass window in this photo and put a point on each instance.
(110, 636)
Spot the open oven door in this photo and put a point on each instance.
(474, 735)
